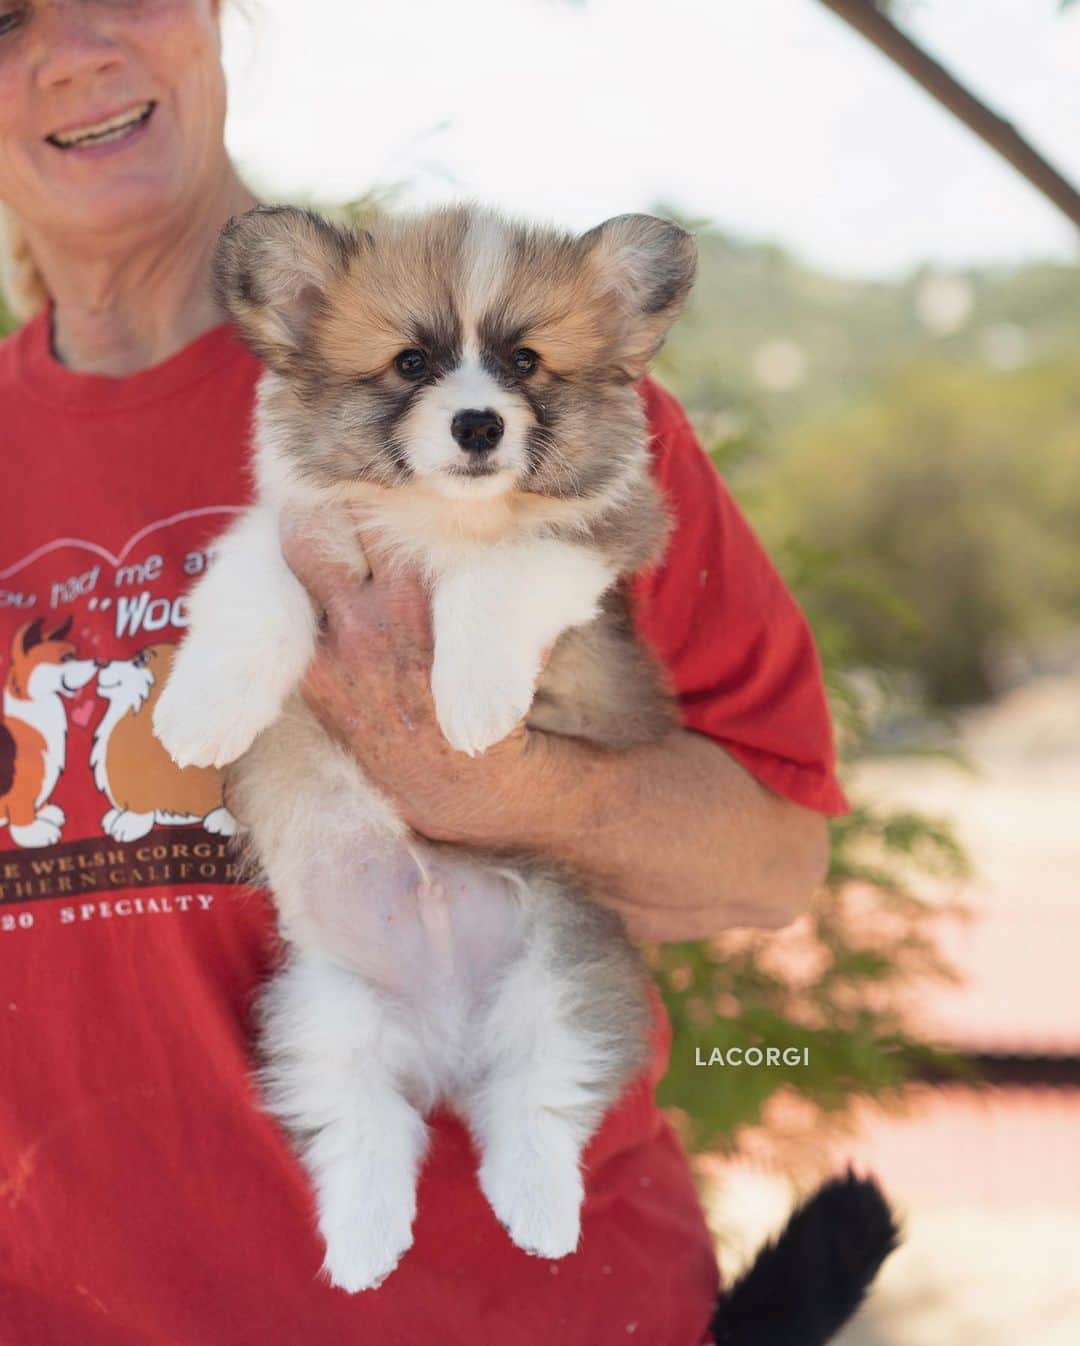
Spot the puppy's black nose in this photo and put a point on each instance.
(477, 431)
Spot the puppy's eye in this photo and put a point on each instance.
(524, 361)
(411, 364)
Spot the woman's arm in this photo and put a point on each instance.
(676, 836)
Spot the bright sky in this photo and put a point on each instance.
(768, 117)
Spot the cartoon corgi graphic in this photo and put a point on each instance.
(133, 770)
(45, 669)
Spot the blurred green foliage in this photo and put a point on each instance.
(957, 492)
(924, 433)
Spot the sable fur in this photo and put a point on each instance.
(418, 973)
(421, 974)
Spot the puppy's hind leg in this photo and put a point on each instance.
(565, 1029)
(334, 1053)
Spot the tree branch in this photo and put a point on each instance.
(999, 134)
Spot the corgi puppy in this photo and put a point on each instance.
(45, 671)
(131, 768)
(464, 386)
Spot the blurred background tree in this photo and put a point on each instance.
(924, 432)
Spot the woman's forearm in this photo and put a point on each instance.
(676, 836)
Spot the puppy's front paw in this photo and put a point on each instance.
(207, 716)
(366, 1215)
(478, 701)
(532, 1180)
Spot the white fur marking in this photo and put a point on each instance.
(431, 448)
(494, 616)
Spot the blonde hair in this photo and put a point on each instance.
(21, 281)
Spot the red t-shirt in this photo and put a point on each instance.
(145, 1200)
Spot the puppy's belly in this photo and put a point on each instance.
(430, 928)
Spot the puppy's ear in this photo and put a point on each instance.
(648, 265)
(271, 273)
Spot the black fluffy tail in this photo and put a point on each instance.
(804, 1286)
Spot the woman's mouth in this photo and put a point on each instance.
(119, 126)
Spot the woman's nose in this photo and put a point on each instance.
(76, 43)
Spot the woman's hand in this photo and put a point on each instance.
(370, 685)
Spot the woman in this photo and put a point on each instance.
(146, 1199)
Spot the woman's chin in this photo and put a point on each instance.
(127, 205)
(136, 184)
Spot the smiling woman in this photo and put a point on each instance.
(112, 158)
(148, 1196)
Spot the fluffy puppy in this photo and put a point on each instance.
(464, 384)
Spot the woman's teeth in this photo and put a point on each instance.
(112, 129)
